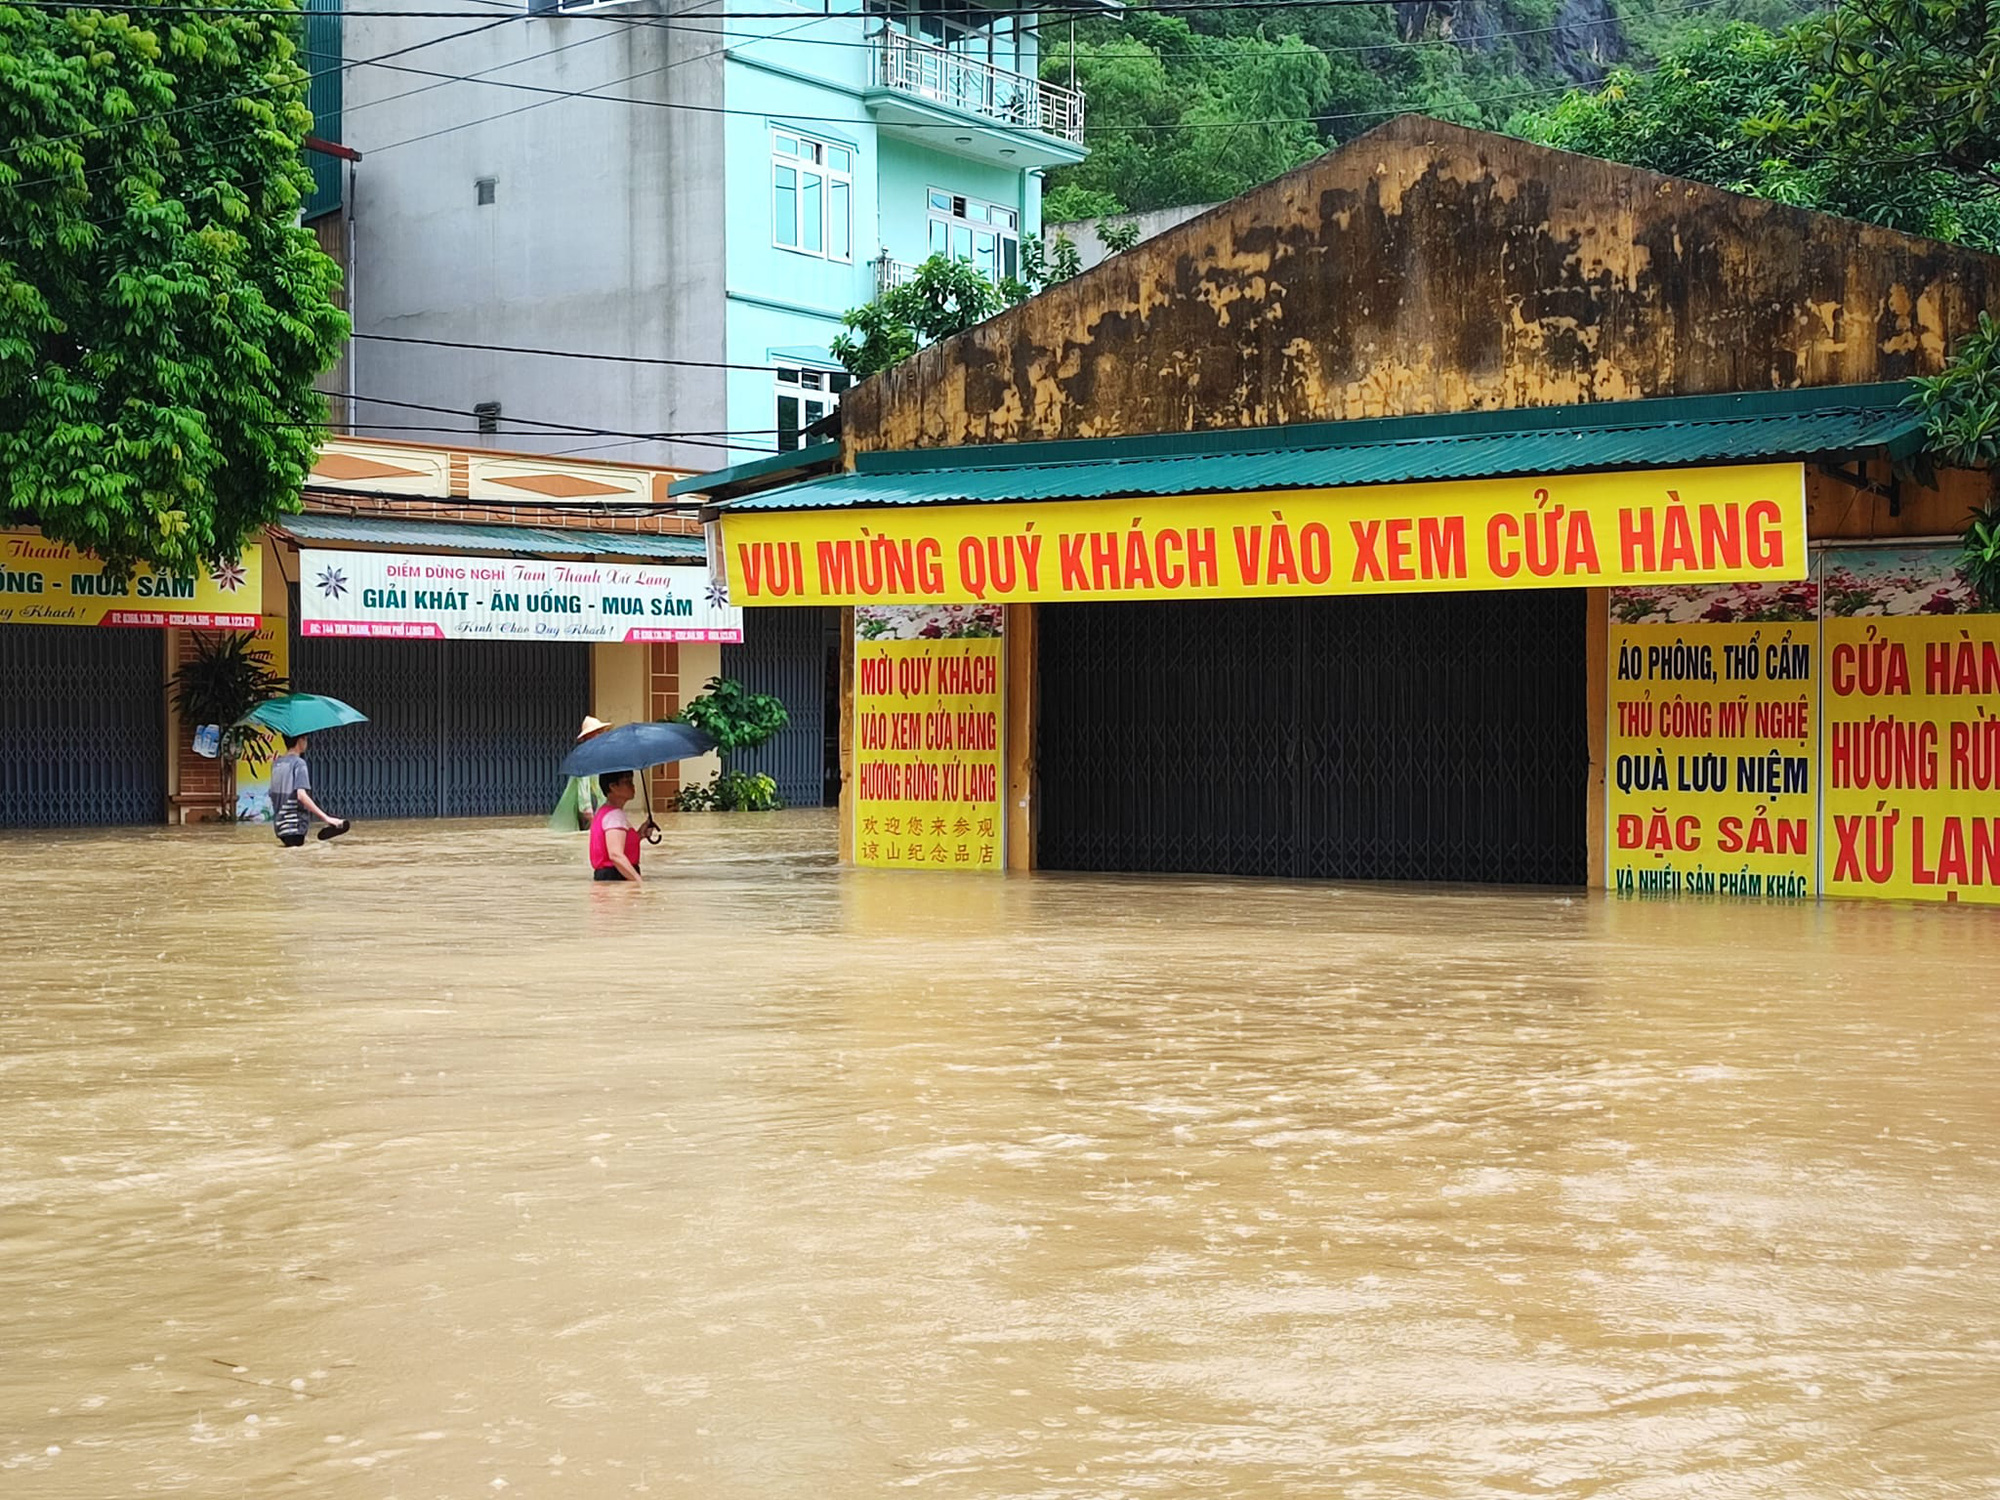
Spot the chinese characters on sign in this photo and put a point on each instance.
(420, 597)
(1672, 525)
(929, 777)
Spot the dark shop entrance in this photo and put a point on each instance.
(1435, 737)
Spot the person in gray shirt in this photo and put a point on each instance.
(292, 805)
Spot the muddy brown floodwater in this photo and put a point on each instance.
(415, 1166)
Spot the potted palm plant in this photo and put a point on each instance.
(223, 680)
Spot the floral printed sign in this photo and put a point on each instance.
(927, 622)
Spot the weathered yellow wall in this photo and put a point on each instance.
(1428, 268)
(618, 682)
(1836, 510)
(1425, 268)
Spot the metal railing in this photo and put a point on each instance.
(910, 66)
(891, 273)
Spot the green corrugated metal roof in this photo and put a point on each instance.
(1663, 433)
(756, 468)
(510, 541)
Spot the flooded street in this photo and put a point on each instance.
(416, 1166)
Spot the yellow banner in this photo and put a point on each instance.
(1663, 526)
(1912, 757)
(928, 774)
(253, 777)
(49, 583)
(1713, 759)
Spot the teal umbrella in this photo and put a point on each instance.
(303, 713)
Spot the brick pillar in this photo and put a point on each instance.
(198, 793)
(663, 701)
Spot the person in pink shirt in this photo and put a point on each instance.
(614, 842)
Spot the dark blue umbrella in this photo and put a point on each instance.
(633, 747)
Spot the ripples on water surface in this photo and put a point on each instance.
(415, 1166)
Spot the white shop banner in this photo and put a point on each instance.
(412, 596)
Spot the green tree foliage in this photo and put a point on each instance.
(737, 719)
(1757, 112)
(1070, 204)
(733, 716)
(1688, 116)
(1176, 116)
(944, 297)
(1961, 405)
(162, 314)
(1884, 110)
(1907, 84)
(1176, 109)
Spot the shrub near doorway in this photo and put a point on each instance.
(224, 678)
(737, 719)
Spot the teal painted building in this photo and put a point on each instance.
(857, 146)
(701, 197)
(630, 231)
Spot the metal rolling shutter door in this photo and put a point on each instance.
(1441, 737)
(785, 652)
(456, 728)
(82, 716)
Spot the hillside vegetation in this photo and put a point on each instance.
(1197, 106)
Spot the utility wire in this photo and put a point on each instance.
(677, 22)
(320, 424)
(548, 428)
(614, 359)
(1076, 11)
(552, 94)
(669, 23)
(217, 100)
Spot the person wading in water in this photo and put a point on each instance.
(292, 806)
(614, 842)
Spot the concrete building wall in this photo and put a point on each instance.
(908, 174)
(1424, 268)
(606, 233)
(1090, 245)
(636, 224)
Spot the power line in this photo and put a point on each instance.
(553, 94)
(665, 67)
(1059, 8)
(548, 428)
(615, 359)
(323, 425)
(671, 23)
(221, 99)
(677, 22)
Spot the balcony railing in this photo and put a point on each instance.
(891, 273)
(943, 76)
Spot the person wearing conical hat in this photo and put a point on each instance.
(583, 796)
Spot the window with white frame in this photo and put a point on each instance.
(976, 32)
(804, 396)
(812, 196)
(986, 234)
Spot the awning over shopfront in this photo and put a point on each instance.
(1680, 491)
(1673, 432)
(317, 529)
